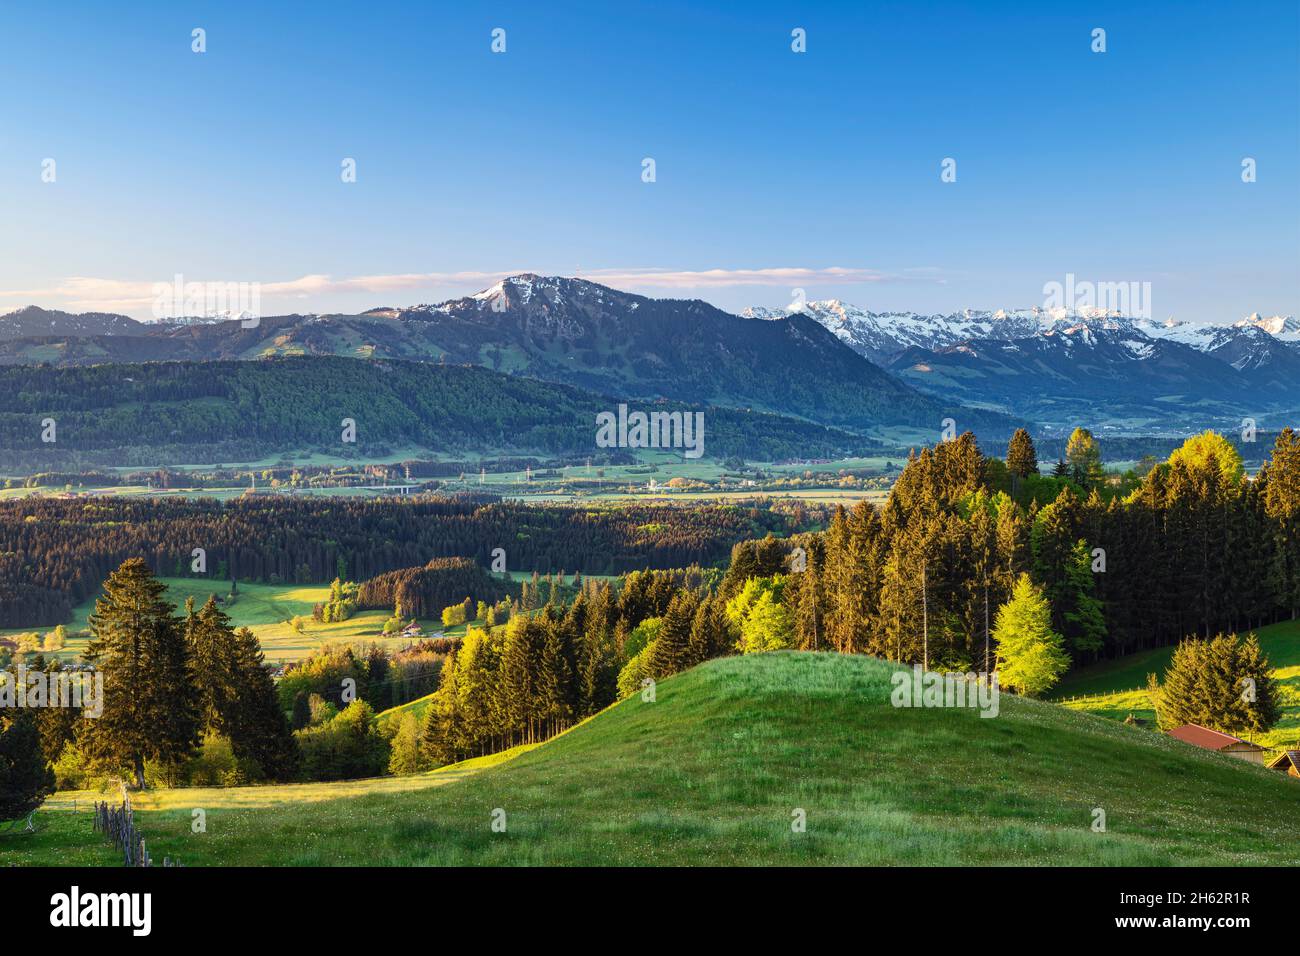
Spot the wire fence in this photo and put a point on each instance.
(118, 824)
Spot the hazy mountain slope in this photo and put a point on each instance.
(35, 322)
(1086, 374)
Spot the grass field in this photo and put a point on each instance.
(64, 836)
(714, 770)
(266, 609)
(1117, 688)
(394, 714)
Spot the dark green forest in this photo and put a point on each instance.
(55, 552)
(185, 412)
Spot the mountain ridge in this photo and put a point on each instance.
(1062, 367)
(567, 331)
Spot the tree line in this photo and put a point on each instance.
(1194, 548)
(55, 552)
(425, 591)
(542, 672)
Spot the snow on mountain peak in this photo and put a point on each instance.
(882, 336)
(1285, 327)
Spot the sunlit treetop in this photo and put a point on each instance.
(1195, 455)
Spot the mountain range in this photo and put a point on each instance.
(563, 330)
(1064, 367)
(826, 362)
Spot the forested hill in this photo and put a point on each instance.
(205, 412)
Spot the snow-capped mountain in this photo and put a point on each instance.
(563, 330)
(880, 336)
(214, 318)
(1251, 342)
(1284, 327)
(1248, 344)
(1060, 365)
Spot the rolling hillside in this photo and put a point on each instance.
(1118, 688)
(712, 771)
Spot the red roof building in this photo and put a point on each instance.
(1208, 739)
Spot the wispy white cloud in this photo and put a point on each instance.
(722, 278)
(90, 293)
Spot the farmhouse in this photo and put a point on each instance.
(1208, 739)
(411, 630)
(1288, 761)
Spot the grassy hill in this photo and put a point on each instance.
(1118, 688)
(394, 714)
(712, 771)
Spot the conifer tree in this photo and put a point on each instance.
(809, 599)
(406, 756)
(255, 723)
(1031, 658)
(673, 648)
(136, 641)
(25, 775)
(1022, 457)
(301, 711)
(441, 733)
(554, 685)
(1222, 683)
(1281, 481)
(209, 639)
(1085, 624)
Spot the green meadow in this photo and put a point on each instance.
(266, 609)
(721, 768)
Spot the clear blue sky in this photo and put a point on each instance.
(225, 166)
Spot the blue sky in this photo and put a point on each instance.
(772, 168)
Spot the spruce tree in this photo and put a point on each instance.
(1282, 506)
(301, 711)
(673, 649)
(208, 636)
(554, 685)
(1084, 623)
(1022, 457)
(137, 643)
(1222, 683)
(255, 722)
(406, 756)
